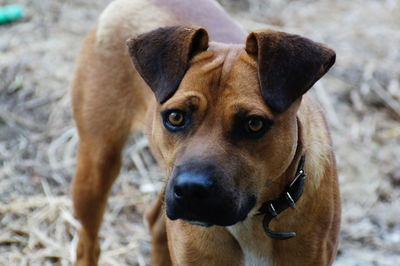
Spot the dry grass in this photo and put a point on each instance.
(361, 96)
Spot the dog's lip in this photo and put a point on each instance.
(199, 223)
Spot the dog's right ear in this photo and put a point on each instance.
(162, 56)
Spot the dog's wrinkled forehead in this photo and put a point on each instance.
(218, 55)
(224, 74)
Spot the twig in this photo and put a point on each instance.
(29, 124)
(387, 99)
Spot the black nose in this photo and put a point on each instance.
(193, 186)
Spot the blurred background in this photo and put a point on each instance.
(361, 96)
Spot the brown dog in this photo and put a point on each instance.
(229, 125)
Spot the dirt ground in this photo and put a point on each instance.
(361, 96)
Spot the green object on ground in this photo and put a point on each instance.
(10, 13)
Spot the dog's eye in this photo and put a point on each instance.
(175, 120)
(255, 126)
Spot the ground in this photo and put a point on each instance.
(361, 96)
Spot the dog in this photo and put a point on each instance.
(228, 120)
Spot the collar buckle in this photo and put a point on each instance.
(290, 200)
(272, 211)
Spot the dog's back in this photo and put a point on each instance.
(126, 18)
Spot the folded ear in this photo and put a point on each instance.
(162, 56)
(288, 65)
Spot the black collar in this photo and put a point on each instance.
(288, 198)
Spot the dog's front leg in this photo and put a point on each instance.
(96, 171)
(156, 221)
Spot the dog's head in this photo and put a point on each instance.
(226, 125)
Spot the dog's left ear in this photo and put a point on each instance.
(162, 56)
(288, 65)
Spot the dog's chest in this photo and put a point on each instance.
(251, 259)
(253, 253)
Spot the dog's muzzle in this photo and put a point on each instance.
(196, 194)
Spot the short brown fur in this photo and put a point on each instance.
(111, 99)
